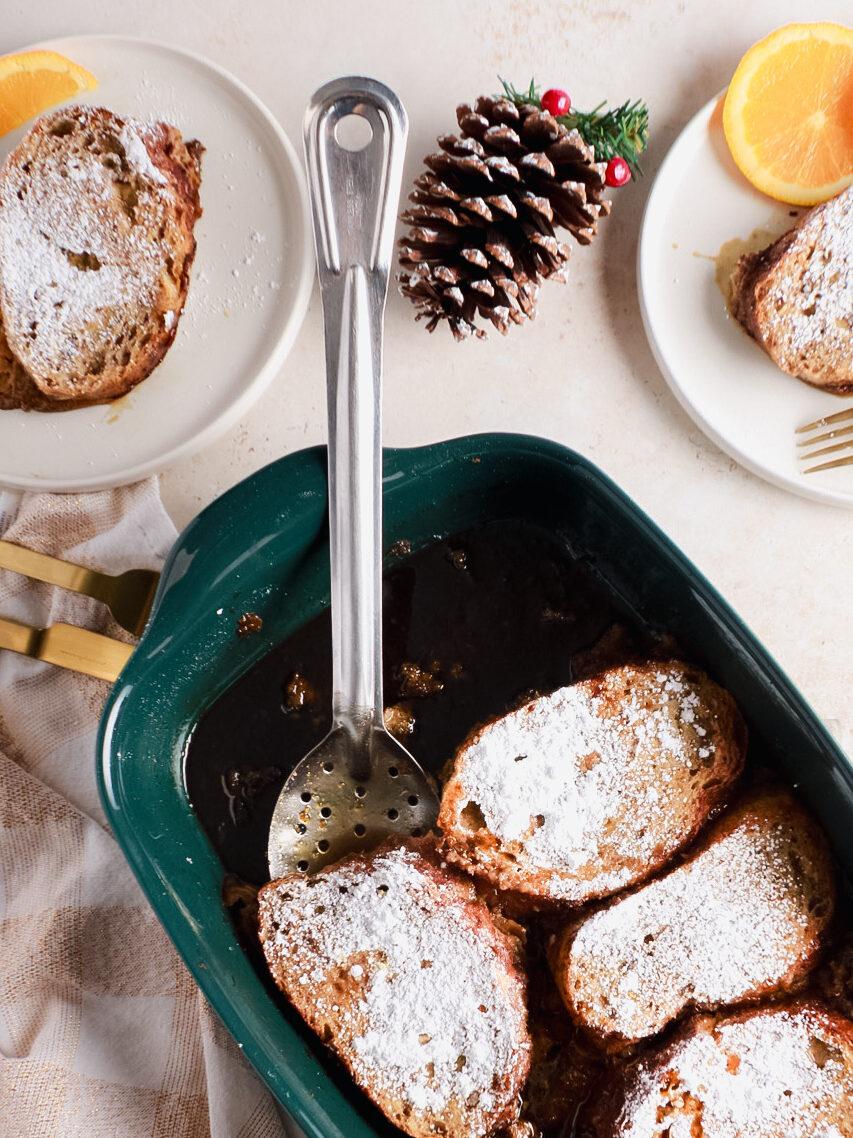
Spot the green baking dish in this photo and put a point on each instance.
(262, 548)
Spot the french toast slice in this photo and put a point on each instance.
(395, 963)
(796, 296)
(743, 917)
(772, 1072)
(592, 788)
(17, 390)
(96, 242)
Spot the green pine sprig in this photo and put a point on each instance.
(621, 132)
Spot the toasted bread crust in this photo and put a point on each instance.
(19, 393)
(796, 296)
(764, 1073)
(395, 963)
(96, 243)
(593, 788)
(741, 919)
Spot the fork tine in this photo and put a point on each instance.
(848, 461)
(834, 434)
(846, 445)
(838, 417)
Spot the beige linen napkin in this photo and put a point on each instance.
(103, 1032)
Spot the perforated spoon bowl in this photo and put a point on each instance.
(358, 784)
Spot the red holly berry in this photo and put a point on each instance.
(618, 172)
(556, 101)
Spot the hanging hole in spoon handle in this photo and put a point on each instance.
(353, 132)
(355, 137)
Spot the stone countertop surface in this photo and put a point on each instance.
(582, 372)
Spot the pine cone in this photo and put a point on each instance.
(486, 211)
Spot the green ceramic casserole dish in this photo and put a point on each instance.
(262, 548)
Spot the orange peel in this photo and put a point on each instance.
(32, 81)
(788, 113)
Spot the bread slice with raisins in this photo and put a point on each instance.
(391, 958)
(742, 918)
(594, 787)
(796, 296)
(17, 390)
(773, 1072)
(96, 242)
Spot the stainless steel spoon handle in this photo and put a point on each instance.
(358, 784)
(354, 197)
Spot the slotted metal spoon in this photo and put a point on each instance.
(359, 784)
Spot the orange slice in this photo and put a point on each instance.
(32, 81)
(788, 113)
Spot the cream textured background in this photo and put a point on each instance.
(582, 372)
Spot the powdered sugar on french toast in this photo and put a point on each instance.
(137, 155)
(812, 307)
(82, 250)
(795, 297)
(554, 775)
(737, 920)
(425, 1012)
(774, 1074)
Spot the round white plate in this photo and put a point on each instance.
(700, 201)
(249, 285)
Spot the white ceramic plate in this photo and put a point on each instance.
(249, 285)
(699, 202)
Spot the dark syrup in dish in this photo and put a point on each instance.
(473, 626)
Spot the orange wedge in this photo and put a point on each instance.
(32, 81)
(788, 113)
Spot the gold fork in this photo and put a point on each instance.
(128, 595)
(67, 646)
(829, 437)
